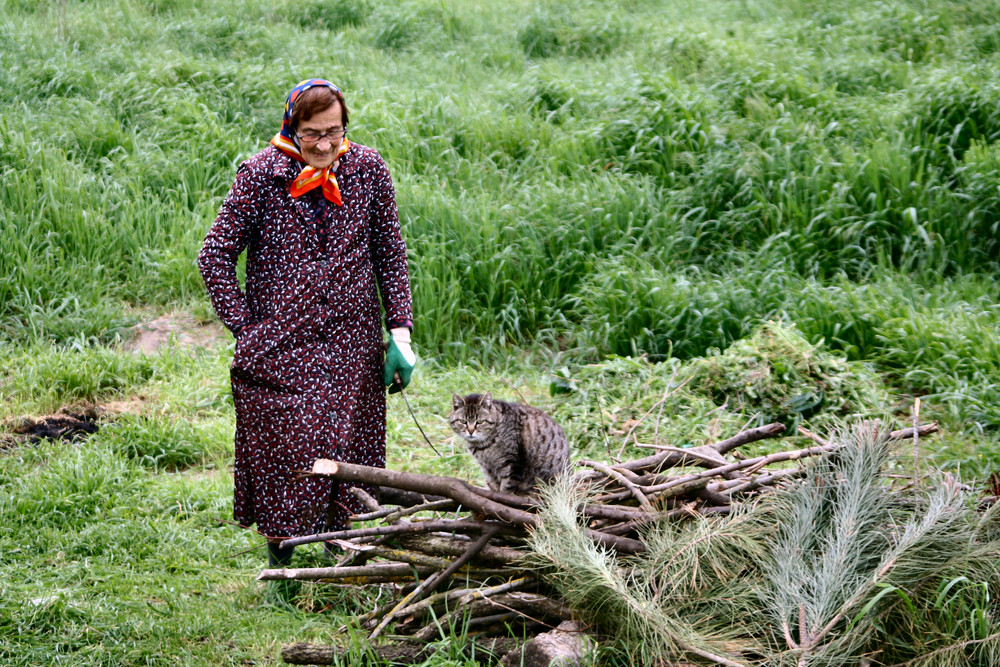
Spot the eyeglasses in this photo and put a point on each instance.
(312, 136)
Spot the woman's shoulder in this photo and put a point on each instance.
(266, 158)
(366, 155)
(268, 162)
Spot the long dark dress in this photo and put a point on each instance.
(306, 373)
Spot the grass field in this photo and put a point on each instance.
(793, 206)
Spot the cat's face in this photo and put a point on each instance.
(473, 417)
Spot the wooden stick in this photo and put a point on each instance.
(431, 583)
(454, 546)
(391, 496)
(812, 436)
(365, 498)
(669, 459)
(380, 569)
(693, 481)
(467, 595)
(534, 607)
(429, 632)
(435, 505)
(904, 433)
(530, 605)
(410, 557)
(589, 510)
(512, 499)
(449, 525)
(748, 436)
(764, 480)
(624, 481)
(451, 487)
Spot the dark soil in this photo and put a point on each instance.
(68, 424)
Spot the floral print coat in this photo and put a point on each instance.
(306, 373)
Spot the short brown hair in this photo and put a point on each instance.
(317, 100)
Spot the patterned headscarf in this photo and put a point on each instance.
(285, 141)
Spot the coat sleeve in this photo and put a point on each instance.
(389, 250)
(226, 239)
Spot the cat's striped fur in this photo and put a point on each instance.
(516, 445)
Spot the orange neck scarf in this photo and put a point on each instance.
(310, 177)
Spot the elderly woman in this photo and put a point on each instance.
(316, 214)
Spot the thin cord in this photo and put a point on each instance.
(407, 401)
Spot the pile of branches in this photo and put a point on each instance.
(450, 552)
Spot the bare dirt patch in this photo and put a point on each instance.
(174, 328)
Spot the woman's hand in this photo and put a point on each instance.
(399, 358)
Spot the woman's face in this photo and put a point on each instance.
(321, 154)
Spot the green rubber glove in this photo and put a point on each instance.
(399, 360)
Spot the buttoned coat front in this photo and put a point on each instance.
(306, 371)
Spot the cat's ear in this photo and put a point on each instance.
(456, 401)
(486, 401)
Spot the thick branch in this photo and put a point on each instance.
(450, 487)
(904, 433)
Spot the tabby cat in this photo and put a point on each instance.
(515, 445)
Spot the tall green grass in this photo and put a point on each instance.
(848, 139)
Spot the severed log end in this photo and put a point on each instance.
(565, 645)
(325, 467)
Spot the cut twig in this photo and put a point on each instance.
(435, 505)
(656, 462)
(450, 546)
(428, 585)
(641, 419)
(694, 480)
(624, 481)
(366, 499)
(744, 486)
(467, 595)
(812, 436)
(378, 570)
(391, 514)
(460, 526)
